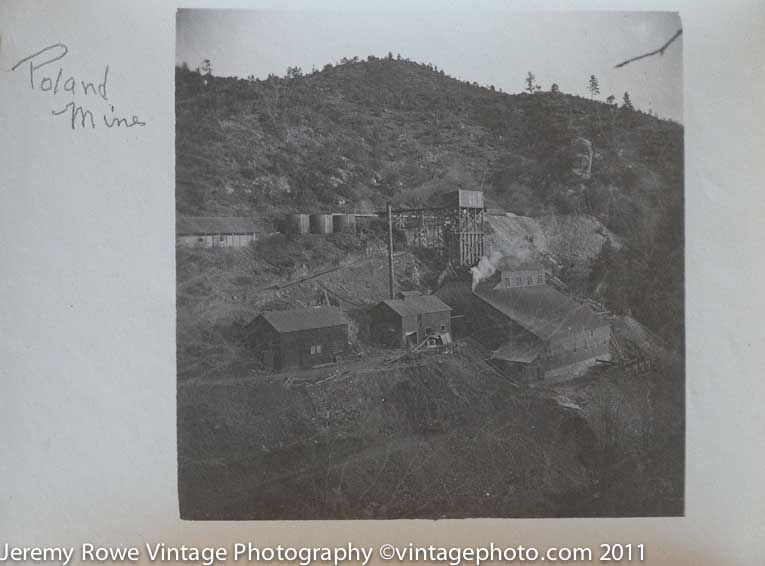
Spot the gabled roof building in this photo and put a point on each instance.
(214, 231)
(533, 330)
(298, 338)
(411, 320)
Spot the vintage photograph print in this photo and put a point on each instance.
(429, 264)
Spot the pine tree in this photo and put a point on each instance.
(626, 102)
(531, 83)
(594, 87)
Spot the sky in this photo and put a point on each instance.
(489, 47)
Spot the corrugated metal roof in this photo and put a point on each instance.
(191, 225)
(542, 310)
(304, 319)
(419, 304)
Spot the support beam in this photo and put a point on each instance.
(457, 232)
(391, 279)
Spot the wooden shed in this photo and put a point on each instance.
(298, 338)
(410, 320)
(214, 231)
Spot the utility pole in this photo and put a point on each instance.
(391, 283)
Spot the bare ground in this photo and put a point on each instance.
(384, 436)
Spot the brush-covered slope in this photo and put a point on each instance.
(356, 135)
(386, 129)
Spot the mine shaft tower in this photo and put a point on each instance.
(464, 227)
(456, 228)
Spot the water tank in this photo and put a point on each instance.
(321, 223)
(344, 222)
(297, 223)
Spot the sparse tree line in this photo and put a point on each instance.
(205, 68)
(593, 87)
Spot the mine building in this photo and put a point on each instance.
(298, 338)
(521, 274)
(465, 233)
(214, 232)
(534, 332)
(411, 320)
(454, 227)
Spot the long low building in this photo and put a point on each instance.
(214, 231)
(533, 330)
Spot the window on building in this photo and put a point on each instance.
(221, 238)
(315, 350)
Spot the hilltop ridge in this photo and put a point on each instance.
(385, 129)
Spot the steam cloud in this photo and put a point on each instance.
(485, 268)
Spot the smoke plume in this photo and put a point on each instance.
(485, 268)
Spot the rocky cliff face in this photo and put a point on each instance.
(563, 239)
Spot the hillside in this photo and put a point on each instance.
(355, 135)
(593, 190)
(428, 436)
(392, 129)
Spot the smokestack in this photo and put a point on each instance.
(391, 283)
